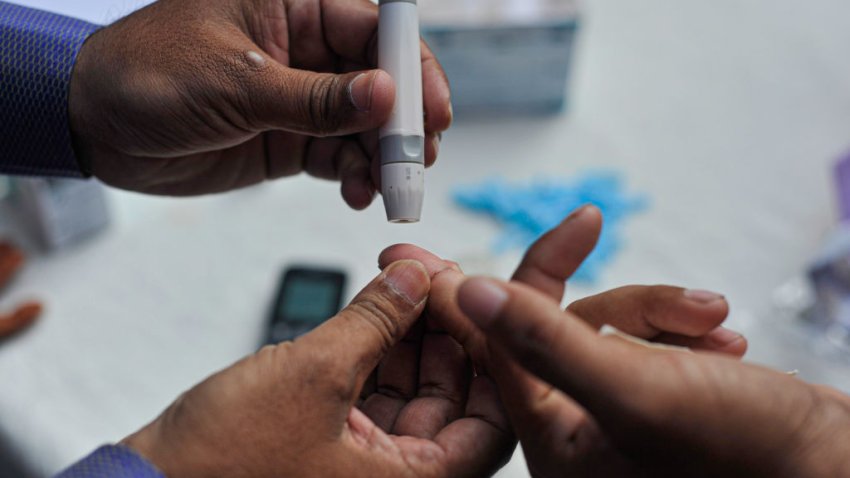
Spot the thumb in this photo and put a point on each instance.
(375, 320)
(319, 104)
(607, 376)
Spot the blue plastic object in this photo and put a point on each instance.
(528, 210)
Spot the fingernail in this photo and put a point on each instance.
(436, 146)
(408, 279)
(482, 300)
(702, 296)
(360, 91)
(722, 337)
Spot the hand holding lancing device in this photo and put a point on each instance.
(191, 97)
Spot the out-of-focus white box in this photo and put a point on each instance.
(59, 212)
(503, 55)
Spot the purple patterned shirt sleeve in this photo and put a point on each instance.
(37, 54)
(112, 461)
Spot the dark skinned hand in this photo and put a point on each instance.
(189, 97)
(559, 436)
(291, 409)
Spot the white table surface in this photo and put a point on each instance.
(727, 113)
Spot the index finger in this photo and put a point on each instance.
(553, 258)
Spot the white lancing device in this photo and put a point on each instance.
(403, 136)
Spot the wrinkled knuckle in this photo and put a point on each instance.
(320, 369)
(279, 349)
(267, 352)
(271, 359)
(324, 105)
(380, 315)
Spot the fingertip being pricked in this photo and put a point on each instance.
(389, 254)
(433, 263)
(409, 280)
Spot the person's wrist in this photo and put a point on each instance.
(78, 105)
(144, 443)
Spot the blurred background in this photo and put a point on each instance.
(711, 133)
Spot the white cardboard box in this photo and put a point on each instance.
(503, 55)
(59, 212)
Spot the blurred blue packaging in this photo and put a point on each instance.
(829, 272)
(510, 56)
(529, 210)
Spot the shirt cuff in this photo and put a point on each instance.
(112, 461)
(38, 50)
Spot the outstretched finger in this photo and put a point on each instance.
(558, 254)
(647, 311)
(664, 314)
